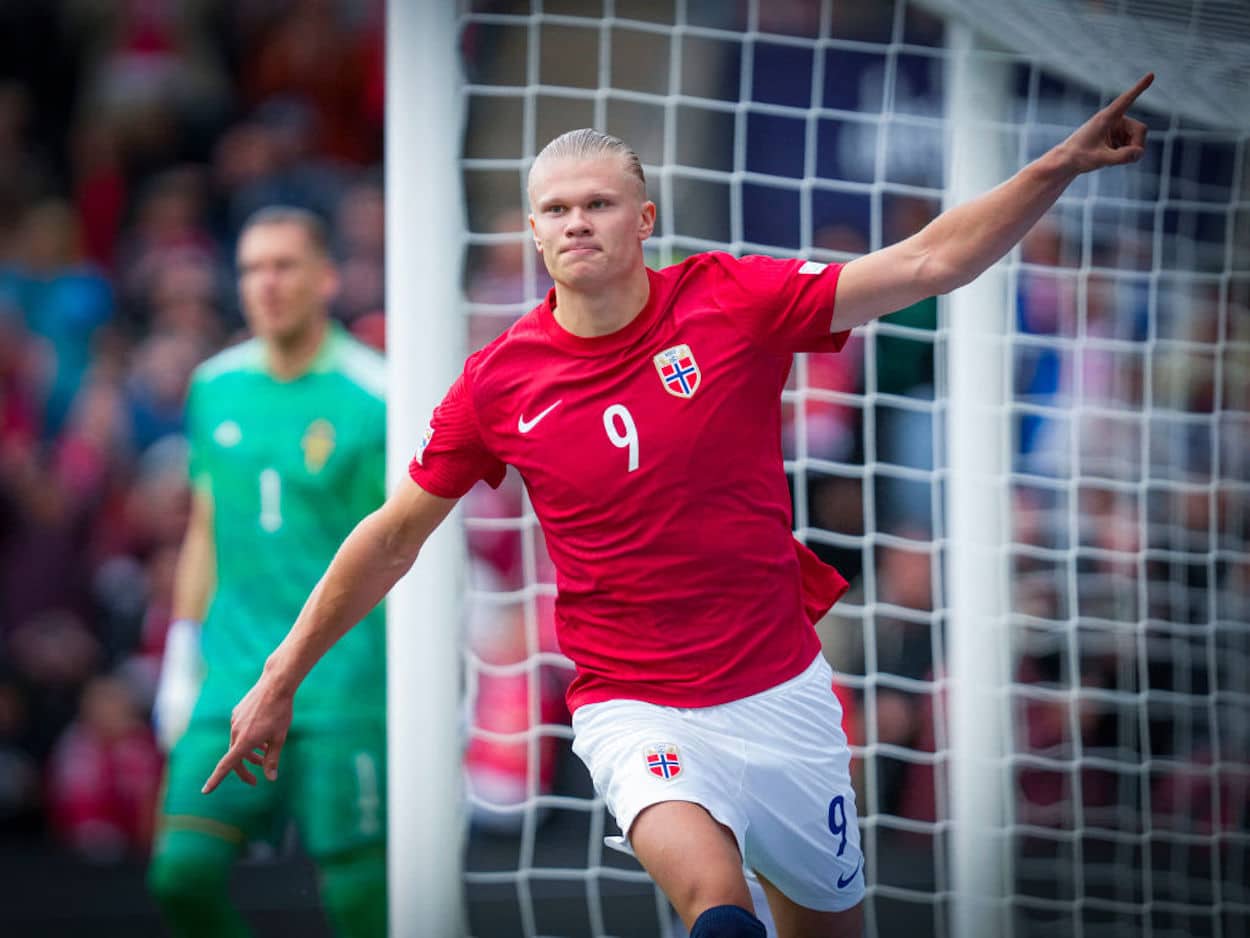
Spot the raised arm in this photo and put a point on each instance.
(961, 243)
(370, 561)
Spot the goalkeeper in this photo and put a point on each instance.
(643, 410)
(287, 436)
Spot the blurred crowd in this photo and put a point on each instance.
(1128, 552)
(135, 137)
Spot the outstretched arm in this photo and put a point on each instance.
(958, 245)
(371, 560)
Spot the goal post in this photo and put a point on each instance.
(1038, 486)
(425, 342)
(979, 451)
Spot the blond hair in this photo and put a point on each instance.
(587, 143)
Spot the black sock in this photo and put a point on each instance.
(727, 921)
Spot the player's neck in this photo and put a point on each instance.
(288, 359)
(588, 314)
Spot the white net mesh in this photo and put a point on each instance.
(1199, 50)
(817, 129)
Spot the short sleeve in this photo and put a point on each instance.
(784, 305)
(452, 456)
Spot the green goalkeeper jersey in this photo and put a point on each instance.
(291, 467)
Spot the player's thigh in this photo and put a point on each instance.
(640, 754)
(803, 831)
(691, 857)
(670, 781)
(198, 829)
(791, 920)
(338, 795)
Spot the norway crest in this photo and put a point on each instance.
(678, 371)
(663, 761)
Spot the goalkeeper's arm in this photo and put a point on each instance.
(182, 668)
(375, 555)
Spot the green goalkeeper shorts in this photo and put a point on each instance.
(331, 784)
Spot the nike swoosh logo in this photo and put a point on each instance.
(525, 426)
(843, 883)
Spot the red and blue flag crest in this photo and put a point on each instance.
(678, 370)
(663, 761)
(425, 441)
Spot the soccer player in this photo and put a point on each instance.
(287, 434)
(642, 409)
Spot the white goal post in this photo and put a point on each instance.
(423, 614)
(1039, 486)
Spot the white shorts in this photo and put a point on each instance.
(774, 768)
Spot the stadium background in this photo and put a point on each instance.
(135, 136)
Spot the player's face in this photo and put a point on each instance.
(285, 283)
(589, 220)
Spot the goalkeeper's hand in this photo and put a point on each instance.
(182, 671)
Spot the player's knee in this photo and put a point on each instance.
(185, 881)
(353, 887)
(727, 921)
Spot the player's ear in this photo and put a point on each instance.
(646, 221)
(329, 282)
(538, 245)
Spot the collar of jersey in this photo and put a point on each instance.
(622, 338)
(321, 363)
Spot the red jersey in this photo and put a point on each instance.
(653, 460)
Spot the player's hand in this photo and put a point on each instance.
(258, 728)
(1110, 137)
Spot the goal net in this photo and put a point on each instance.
(1116, 431)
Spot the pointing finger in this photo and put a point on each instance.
(1121, 104)
(223, 769)
(232, 761)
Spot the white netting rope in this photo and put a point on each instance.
(1199, 50)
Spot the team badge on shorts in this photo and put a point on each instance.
(678, 371)
(663, 761)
